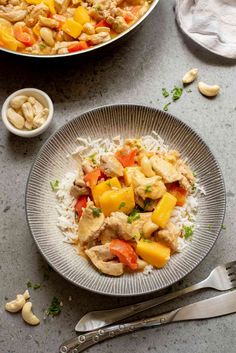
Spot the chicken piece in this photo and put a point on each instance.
(118, 23)
(112, 167)
(169, 235)
(11, 14)
(101, 257)
(87, 166)
(35, 12)
(152, 188)
(97, 38)
(187, 179)
(90, 224)
(166, 170)
(117, 226)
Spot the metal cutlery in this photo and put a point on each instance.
(221, 278)
(223, 304)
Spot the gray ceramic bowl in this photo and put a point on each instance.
(97, 47)
(128, 121)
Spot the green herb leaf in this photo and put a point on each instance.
(165, 108)
(42, 46)
(188, 231)
(189, 90)
(223, 226)
(36, 285)
(148, 189)
(146, 240)
(108, 184)
(209, 226)
(194, 174)
(92, 158)
(96, 211)
(158, 148)
(134, 215)
(165, 93)
(177, 92)
(122, 205)
(54, 308)
(29, 284)
(54, 185)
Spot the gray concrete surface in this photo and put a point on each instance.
(156, 56)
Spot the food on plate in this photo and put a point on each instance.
(26, 113)
(45, 27)
(130, 205)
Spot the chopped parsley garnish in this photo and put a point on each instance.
(165, 93)
(36, 285)
(92, 158)
(29, 284)
(165, 108)
(54, 308)
(209, 226)
(158, 148)
(146, 240)
(148, 189)
(194, 174)
(188, 231)
(223, 226)
(177, 92)
(147, 202)
(96, 212)
(122, 205)
(54, 185)
(134, 215)
(42, 46)
(108, 184)
(189, 90)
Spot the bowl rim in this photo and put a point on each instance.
(25, 133)
(81, 52)
(130, 105)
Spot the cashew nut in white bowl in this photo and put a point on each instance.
(16, 304)
(28, 315)
(190, 76)
(208, 90)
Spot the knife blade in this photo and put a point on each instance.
(205, 309)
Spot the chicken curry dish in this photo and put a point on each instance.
(132, 206)
(50, 27)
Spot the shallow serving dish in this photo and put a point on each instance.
(99, 46)
(53, 163)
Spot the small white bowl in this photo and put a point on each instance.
(42, 97)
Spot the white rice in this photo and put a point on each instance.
(182, 216)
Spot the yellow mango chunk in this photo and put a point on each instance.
(72, 27)
(81, 15)
(154, 253)
(128, 174)
(104, 186)
(117, 200)
(163, 210)
(8, 41)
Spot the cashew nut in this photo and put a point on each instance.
(17, 101)
(37, 107)
(15, 305)
(26, 294)
(28, 112)
(47, 35)
(28, 125)
(13, 15)
(190, 76)
(16, 119)
(148, 228)
(208, 90)
(28, 315)
(88, 28)
(147, 167)
(40, 118)
(102, 29)
(48, 22)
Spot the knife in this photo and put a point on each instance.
(217, 306)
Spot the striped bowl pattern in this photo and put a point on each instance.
(128, 121)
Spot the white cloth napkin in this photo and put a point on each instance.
(211, 23)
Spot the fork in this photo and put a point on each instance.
(221, 278)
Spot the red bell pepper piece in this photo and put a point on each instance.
(80, 205)
(24, 35)
(124, 252)
(126, 157)
(103, 23)
(179, 192)
(82, 45)
(92, 177)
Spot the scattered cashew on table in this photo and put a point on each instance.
(20, 303)
(204, 88)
